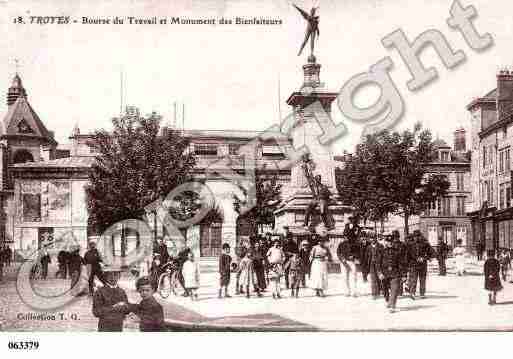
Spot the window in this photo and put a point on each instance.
(460, 206)
(205, 149)
(233, 149)
(507, 164)
(271, 150)
(439, 205)
(501, 196)
(459, 181)
(504, 161)
(501, 162)
(508, 195)
(446, 206)
(484, 156)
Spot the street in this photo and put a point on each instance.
(452, 303)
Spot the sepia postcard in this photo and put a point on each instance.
(255, 166)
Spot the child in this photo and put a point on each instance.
(247, 274)
(295, 267)
(155, 272)
(275, 257)
(191, 276)
(224, 271)
(110, 302)
(148, 310)
(492, 277)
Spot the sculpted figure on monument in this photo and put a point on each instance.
(321, 195)
(312, 29)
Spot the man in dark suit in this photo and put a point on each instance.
(419, 254)
(443, 249)
(162, 250)
(92, 259)
(374, 252)
(391, 270)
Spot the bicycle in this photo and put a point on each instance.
(168, 281)
(36, 271)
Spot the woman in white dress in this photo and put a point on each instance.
(459, 253)
(319, 258)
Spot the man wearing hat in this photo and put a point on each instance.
(419, 253)
(75, 262)
(304, 255)
(92, 259)
(110, 302)
(391, 270)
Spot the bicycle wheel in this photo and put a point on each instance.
(164, 287)
(175, 283)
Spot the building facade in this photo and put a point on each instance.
(492, 137)
(446, 218)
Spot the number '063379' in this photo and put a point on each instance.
(28, 345)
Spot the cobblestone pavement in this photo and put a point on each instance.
(452, 303)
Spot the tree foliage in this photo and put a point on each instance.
(387, 175)
(136, 165)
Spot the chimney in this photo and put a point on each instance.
(459, 140)
(504, 92)
(47, 153)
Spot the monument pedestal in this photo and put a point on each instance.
(311, 106)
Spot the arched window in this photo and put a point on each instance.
(22, 156)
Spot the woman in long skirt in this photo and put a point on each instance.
(492, 277)
(459, 255)
(319, 258)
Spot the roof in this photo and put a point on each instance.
(22, 120)
(239, 134)
(67, 162)
(439, 143)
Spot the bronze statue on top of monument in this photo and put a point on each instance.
(321, 196)
(312, 30)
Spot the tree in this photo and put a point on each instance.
(136, 165)
(265, 197)
(388, 175)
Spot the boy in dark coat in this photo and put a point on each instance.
(295, 269)
(149, 311)
(110, 303)
(492, 277)
(225, 262)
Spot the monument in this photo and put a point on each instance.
(311, 203)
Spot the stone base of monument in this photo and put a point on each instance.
(293, 210)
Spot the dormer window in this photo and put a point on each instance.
(445, 156)
(23, 127)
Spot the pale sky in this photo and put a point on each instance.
(227, 76)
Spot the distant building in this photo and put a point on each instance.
(492, 138)
(446, 217)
